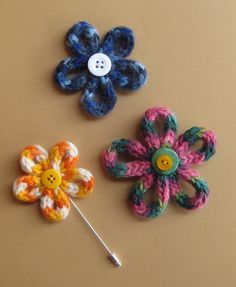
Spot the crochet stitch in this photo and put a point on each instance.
(73, 74)
(161, 163)
(52, 178)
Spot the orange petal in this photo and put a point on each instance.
(34, 159)
(81, 183)
(27, 188)
(64, 156)
(55, 204)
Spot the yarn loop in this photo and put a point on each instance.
(51, 178)
(161, 163)
(100, 78)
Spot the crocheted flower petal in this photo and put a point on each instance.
(162, 189)
(185, 142)
(118, 42)
(54, 204)
(138, 203)
(64, 156)
(99, 97)
(82, 38)
(27, 188)
(71, 74)
(34, 159)
(80, 184)
(126, 169)
(174, 185)
(128, 75)
(155, 137)
(201, 190)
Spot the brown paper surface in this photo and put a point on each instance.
(189, 50)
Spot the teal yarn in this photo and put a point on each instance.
(160, 162)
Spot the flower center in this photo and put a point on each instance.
(165, 161)
(51, 178)
(99, 64)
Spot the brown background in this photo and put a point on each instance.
(189, 49)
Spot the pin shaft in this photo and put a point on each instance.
(114, 259)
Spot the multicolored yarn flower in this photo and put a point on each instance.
(52, 178)
(98, 67)
(162, 162)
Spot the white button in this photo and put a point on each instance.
(99, 64)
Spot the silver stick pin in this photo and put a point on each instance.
(114, 259)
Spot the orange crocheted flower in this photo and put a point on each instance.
(52, 178)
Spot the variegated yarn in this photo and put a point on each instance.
(99, 89)
(161, 163)
(52, 178)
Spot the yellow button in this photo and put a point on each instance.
(51, 178)
(164, 162)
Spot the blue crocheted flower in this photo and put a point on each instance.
(98, 67)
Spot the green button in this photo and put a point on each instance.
(165, 161)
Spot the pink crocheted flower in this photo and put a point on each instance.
(162, 162)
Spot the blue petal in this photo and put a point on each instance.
(128, 75)
(82, 38)
(99, 97)
(73, 82)
(118, 43)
